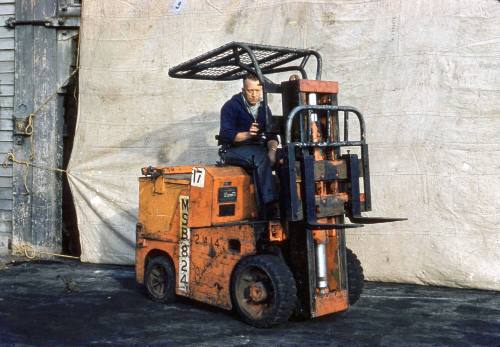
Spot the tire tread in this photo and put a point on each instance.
(286, 290)
(355, 277)
(170, 290)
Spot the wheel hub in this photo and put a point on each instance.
(257, 292)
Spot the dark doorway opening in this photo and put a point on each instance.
(70, 234)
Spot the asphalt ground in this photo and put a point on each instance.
(73, 304)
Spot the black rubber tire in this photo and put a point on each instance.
(273, 274)
(160, 279)
(355, 277)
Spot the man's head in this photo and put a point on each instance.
(252, 89)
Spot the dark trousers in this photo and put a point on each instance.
(254, 158)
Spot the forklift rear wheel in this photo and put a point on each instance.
(160, 279)
(263, 290)
(355, 277)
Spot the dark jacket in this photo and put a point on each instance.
(235, 118)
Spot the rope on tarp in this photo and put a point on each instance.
(12, 157)
(26, 249)
(31, 253)
(29, 129)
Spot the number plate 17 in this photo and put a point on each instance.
(198, 177)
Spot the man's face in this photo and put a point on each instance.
(252, 91)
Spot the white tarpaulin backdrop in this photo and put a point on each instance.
(425, 73)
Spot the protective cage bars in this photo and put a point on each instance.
(307, 165)
(236, 59)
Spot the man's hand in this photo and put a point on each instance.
(247, 135)
(254, 129)
(272, 147)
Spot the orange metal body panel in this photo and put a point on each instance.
(158, 219)
(176, 169)
(144, 247)
(158, 203)
(200, 207)
(213, 260)
(204, 205)
(333, 260)
(336, 301)
(214, 250)
(313, 86)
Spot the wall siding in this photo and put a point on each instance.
(7, 9)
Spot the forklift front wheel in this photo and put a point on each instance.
(263, 290)
(160, 278)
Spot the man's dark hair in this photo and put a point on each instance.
(250, 76)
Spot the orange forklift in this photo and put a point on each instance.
(200, 233)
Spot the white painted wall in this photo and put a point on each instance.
(426, 74)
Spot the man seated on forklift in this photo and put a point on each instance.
(244, 143)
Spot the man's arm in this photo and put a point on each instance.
(227, 133)
(247, 135)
